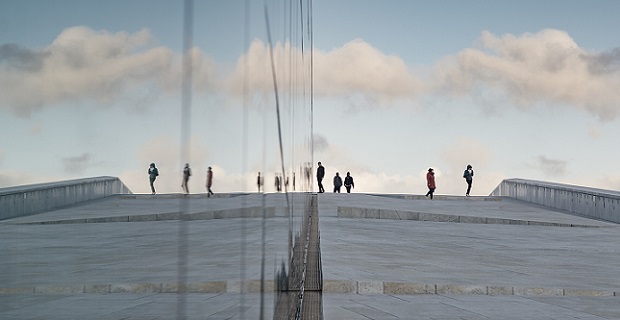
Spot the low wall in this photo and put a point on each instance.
(29, 199)
(584, 201)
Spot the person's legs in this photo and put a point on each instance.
(348, 189)
(468, 187)
(320, 180)
(431, 191)
(152, 180)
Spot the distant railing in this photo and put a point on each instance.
(584, 201)
(29, 199)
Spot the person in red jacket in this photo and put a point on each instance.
(430, 182)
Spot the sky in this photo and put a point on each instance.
(518, 89)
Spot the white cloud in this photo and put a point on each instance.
(77, 164)
(353, 69)
(551, 167)
(547, 66)
(93, 65)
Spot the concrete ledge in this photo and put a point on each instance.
(373, 213)
(31, 199)
(251, 212)
(437, 197)
(329, 287)
(588, 202)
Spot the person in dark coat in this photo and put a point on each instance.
(320, 173)
(430, 182)
(259, 182)
(209, 182)
(187, 172)
(348, 182)
(468, 174)
(337, 183)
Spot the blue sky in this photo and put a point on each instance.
(523, 89)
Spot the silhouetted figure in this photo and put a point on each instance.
(293, 181)
(348, 182)
(430, 182)
(468, 174)
(187, 172)
(153, 173)
(308, 172)
(337, 183)
(277, 183)
(320, 173)
(259, 182)
(209, 182)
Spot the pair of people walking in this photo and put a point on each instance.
(348, 180)
(187, 172)
(468, 175)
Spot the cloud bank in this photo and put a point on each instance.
(547, 67)
(82, 63)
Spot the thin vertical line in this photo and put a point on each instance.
(311, 94)
(186, 103)
(244, 152)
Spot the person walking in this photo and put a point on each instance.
(320, 173)
(468, 174)
(348, 182)
(209, 182)
(259, 182)
(153, 173)
(277, 183)
(337, 183)
(430, 182)
(187, 172)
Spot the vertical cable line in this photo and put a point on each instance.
(244, 156)
(277, 99)
(311, 90)
(186, 104)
